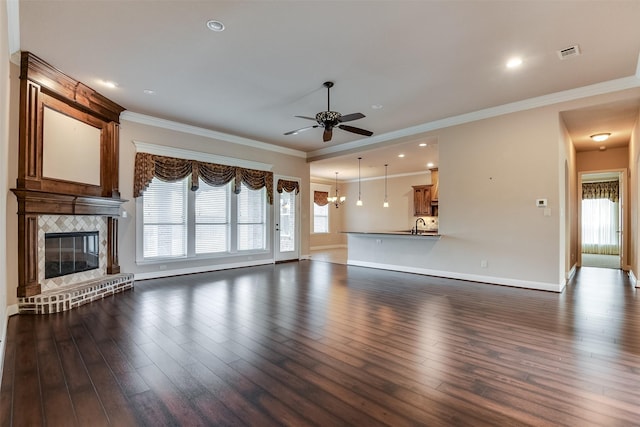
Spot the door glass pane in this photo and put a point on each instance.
(287, 222)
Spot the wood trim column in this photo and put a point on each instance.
(28, 255)
(30, 152)
(112, 246)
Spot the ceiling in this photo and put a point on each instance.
(420, 61)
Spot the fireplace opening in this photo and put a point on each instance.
(67, 253)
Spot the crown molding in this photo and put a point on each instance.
(181, 153)
(195, 130)
(527, 104)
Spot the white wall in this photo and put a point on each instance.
(634, 183)
(286, 165)
(5, 86)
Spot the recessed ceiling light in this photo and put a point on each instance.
(377, 106)
(514, 62)
(401, 155)
(430, 165)
(422, 144)
(149, 92)
(215, 25)
(599, 137)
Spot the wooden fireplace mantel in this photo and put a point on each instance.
(45, 89)
(43, 202)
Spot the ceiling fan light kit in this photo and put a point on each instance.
(332, 119)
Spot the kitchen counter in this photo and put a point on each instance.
(421, 234)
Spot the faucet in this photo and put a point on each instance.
(423, 223)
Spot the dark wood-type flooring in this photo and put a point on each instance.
(314, 343)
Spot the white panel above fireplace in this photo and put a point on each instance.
(71, 149)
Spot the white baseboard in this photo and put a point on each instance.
(633, 279)
(320, 248)
(202, 269)
(571, 272)
(305, 257)
(541, 286)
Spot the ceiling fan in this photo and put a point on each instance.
(330, 119)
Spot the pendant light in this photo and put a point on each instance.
(337, 200)
(386, 202)
(359, 202)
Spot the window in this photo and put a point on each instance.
(212, 219)
(180, 223)
(320, 218)
(252, 227)
(165, 219)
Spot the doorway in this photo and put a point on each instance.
(602, 218)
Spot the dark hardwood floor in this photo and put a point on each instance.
(315, 343)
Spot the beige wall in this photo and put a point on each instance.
(571, 200)
(5, 87)
(615, 158)
(285, 165)
(634, 192)
(12, 202)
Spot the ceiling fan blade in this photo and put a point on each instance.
(297, 131)
(353, 116)
(328, 133)
(356, 130)
(305, 117)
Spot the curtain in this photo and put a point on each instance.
(600, 218)
(288, 186)
(320, 198)
(172, 169)
(601, 190)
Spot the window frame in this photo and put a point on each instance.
(191, 226)
(312, 217)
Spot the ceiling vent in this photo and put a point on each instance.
(569, 51)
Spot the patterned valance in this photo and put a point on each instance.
(601, 190)
(320, 198)
(172, 169)
(288, 186)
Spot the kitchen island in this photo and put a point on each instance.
(391, 250)
(428, 253)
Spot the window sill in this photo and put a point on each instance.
(224, 255)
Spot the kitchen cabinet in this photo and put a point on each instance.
(422, 200)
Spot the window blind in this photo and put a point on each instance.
(251, 225)
(212, 218)
(165, 219)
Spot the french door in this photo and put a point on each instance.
(287, 226)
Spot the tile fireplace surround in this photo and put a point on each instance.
(73, 290)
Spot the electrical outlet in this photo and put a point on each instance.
(484, 263)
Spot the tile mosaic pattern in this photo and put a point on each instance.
(71, 223)
(68, 297)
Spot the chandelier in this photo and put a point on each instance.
(337, 200)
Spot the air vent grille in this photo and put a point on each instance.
(569, 51)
